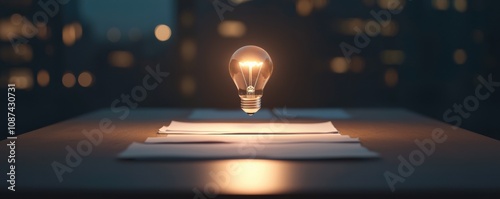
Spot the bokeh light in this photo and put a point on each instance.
(43, 78)
(68, 80)
(163, 32)
(339, 65)
(85, 79)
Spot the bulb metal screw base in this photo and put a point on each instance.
(250, 106)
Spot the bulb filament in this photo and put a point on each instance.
(250, 84)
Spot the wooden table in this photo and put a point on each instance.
(464, 164)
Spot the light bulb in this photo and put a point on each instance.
(250, 68)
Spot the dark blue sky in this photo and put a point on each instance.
(144, 15)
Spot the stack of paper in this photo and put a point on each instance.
(262, 138)
(188, 140)
(238, 128)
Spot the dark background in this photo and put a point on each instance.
(90, 52)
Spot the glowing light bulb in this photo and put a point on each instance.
(250, 68)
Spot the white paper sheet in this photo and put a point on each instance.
(246, 150)
(176, 127)
(259, 138)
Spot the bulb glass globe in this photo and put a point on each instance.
(250, 68)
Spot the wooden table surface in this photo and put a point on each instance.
(464, 164)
